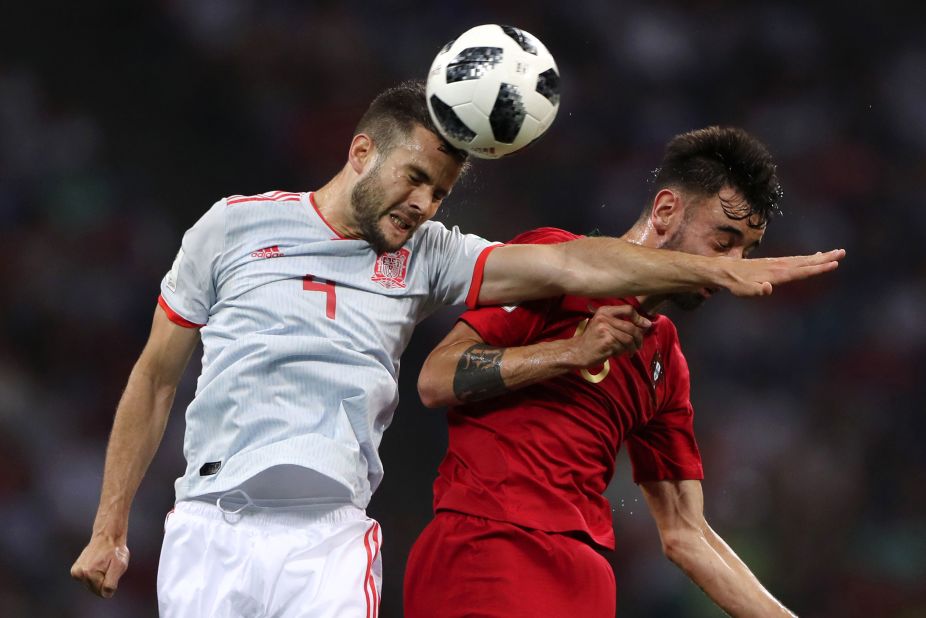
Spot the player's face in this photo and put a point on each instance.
(704, 228)
(403, 190)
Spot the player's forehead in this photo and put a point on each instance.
(728, 210)
(421, 149)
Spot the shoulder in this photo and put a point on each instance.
(268, 198)
(432, 229)
(543, 236)
(437, 236)
(665, 331)
(669, 345)
(665, 326)
(276, 209)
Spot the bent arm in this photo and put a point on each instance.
(611, 267)
(138, 427)
(463, 368)
(690, 543)
(141, 417)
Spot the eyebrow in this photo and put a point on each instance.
(739, 235)
(427, 178)
(420, 172)
(730, 229)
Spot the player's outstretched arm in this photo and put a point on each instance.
(463, 368)
(137, 430)
(689, 542)
(611, 267)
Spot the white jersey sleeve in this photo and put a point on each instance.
(189, 289)
(455, 264)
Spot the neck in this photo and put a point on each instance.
(333, 202)
(644, 235)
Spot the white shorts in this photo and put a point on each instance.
(264, 563)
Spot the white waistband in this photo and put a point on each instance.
(269, 516)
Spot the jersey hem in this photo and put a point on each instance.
(305, 451)
(475, 286)
(175, 317)
(693, 473)
(584, 533)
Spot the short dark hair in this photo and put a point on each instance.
(706, 160)
(394, 113)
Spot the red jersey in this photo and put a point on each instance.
(542, 456)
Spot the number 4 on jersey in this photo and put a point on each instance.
(331, 300)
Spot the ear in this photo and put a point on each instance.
(667, 207)
(361, 152)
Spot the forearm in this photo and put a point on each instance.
(468, 372)
(716, 569)
(614, 267)
(595, 267)
(137, 431)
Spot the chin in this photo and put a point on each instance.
(382, 242)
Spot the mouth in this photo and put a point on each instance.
(401, 222)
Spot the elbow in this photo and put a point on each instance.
(680, 546)
(428, 391)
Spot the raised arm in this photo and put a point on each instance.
(689, 542)
(463, 368)
(137, 431)
(611, 267)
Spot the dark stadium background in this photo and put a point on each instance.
(120, 123)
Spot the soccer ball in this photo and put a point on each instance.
(493, 90)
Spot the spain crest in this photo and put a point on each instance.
(390, 268)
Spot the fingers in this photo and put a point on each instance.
(818, 269)
(819, 258)
(634, 332)
(624, 312)
(619, 330)
(756, 277)
(117, 566)
(91, 579)
(101, 575)
(805, 271)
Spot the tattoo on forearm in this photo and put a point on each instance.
(479, 374)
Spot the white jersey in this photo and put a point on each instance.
(302, 332)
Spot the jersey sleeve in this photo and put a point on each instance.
(188, 289)
(516, 325)
(665, 447)
(456, 262)
(508, 326)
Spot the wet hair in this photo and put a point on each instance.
(395, 112)
(704, 161)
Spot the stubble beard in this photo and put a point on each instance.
(687, 301)
(367, 200)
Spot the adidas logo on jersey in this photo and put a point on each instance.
(268, 252)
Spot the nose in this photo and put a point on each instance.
(422, 200)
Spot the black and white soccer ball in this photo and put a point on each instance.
(493, 90)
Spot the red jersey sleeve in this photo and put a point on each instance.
(665, 447)
(516, 325)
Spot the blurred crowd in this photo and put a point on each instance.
(121, 123)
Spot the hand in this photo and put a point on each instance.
(101, 564)
(757, 277)
(612, 331)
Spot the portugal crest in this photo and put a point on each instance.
(656, 369)
(390, 268)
